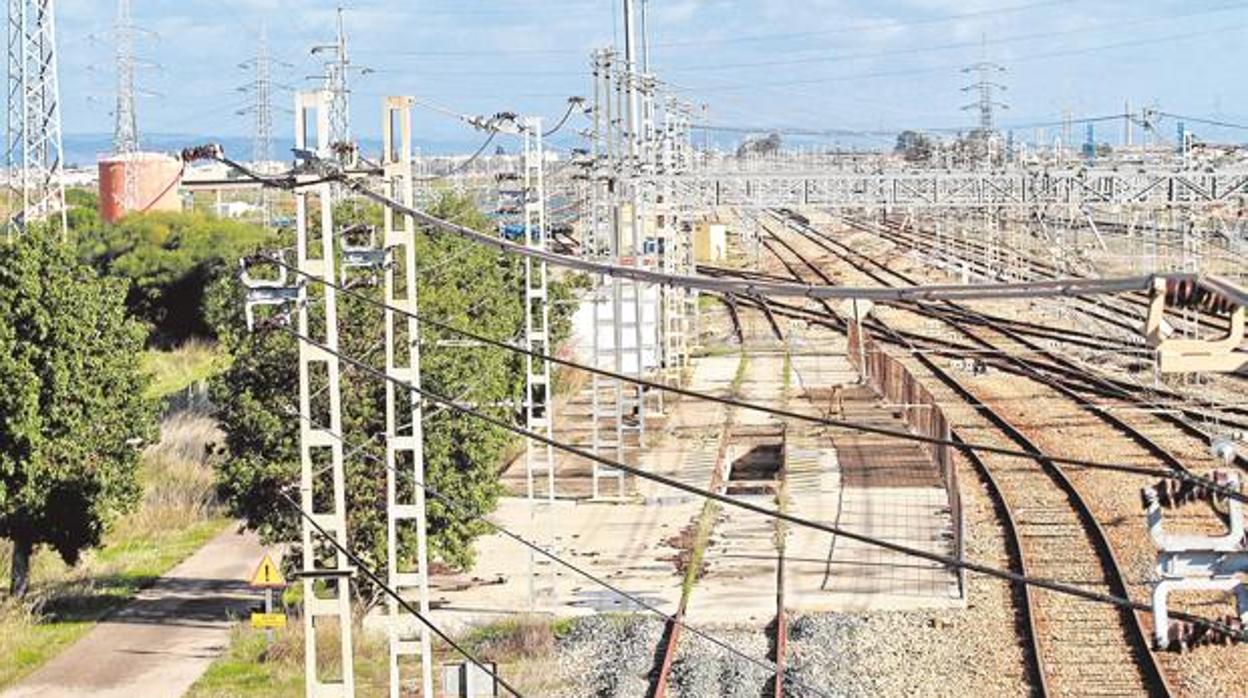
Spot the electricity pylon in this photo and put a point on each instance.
(34, 153)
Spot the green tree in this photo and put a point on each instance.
(72, 410)
(169, 260)
(460, 283)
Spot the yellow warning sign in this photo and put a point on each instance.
(268, 621)
(267, 575)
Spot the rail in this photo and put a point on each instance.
(890, 379)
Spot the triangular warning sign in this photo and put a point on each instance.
(267, 575)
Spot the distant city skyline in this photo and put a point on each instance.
(851, 65)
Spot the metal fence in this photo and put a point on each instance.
(890, 379)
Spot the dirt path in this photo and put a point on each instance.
(160, 643)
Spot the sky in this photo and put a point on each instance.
(859, 65)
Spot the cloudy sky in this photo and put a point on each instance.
(822, 64)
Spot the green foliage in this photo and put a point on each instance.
(169, 260)
(71, 399)
(460, 283)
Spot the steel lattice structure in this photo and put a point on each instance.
(1015, 188)
(34, 153)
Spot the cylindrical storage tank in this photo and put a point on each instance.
(156, 176)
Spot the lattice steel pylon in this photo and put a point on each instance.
(405, 451)
(336, 83)
(327, 505)
(125, 127)
(261, 110)
(34, 152)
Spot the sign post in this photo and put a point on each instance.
(268, 577)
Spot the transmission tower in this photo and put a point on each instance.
(986, 86)
(35, 155)
(261, 110)
(337, 68)
(126, 128)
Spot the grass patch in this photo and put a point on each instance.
(176, 517)
(524, 649)
(180, 368)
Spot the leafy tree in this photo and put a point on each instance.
(71, 405)
(169, 259)
(460, 283)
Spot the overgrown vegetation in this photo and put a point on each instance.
(523, 647)
(179, 368)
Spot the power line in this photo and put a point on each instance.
(499, 528)
(777, 515)
(1048, 288)
(728, 87)
(885, 25)
(376, 579)
(771, 411)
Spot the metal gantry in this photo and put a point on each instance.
(405, 456)
(34, 152)
(326, 580)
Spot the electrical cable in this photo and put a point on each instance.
(499, 528)
(771, 411)
(572, 104)
(1207, 122)
(1035, 289)
(376, 579)
(463, 165)
(672, 482)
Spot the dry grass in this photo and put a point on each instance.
(179, 481)
(177, 515)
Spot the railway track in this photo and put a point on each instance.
(1075, 649)
(777, 630)
(1073, 375)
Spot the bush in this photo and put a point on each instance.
(169, 260)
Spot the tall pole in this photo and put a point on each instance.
(405, 450)
(262, 146)
(125, 127)
(321, 445)
(34, 150)
(336, 69)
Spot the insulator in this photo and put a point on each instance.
(210, 151)
(1184, 635)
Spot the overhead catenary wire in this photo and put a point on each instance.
(1047, 288)
(771, 411)
(674, 483)
(407, 606)
(576, 569)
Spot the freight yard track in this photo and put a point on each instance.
(1075, 648)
